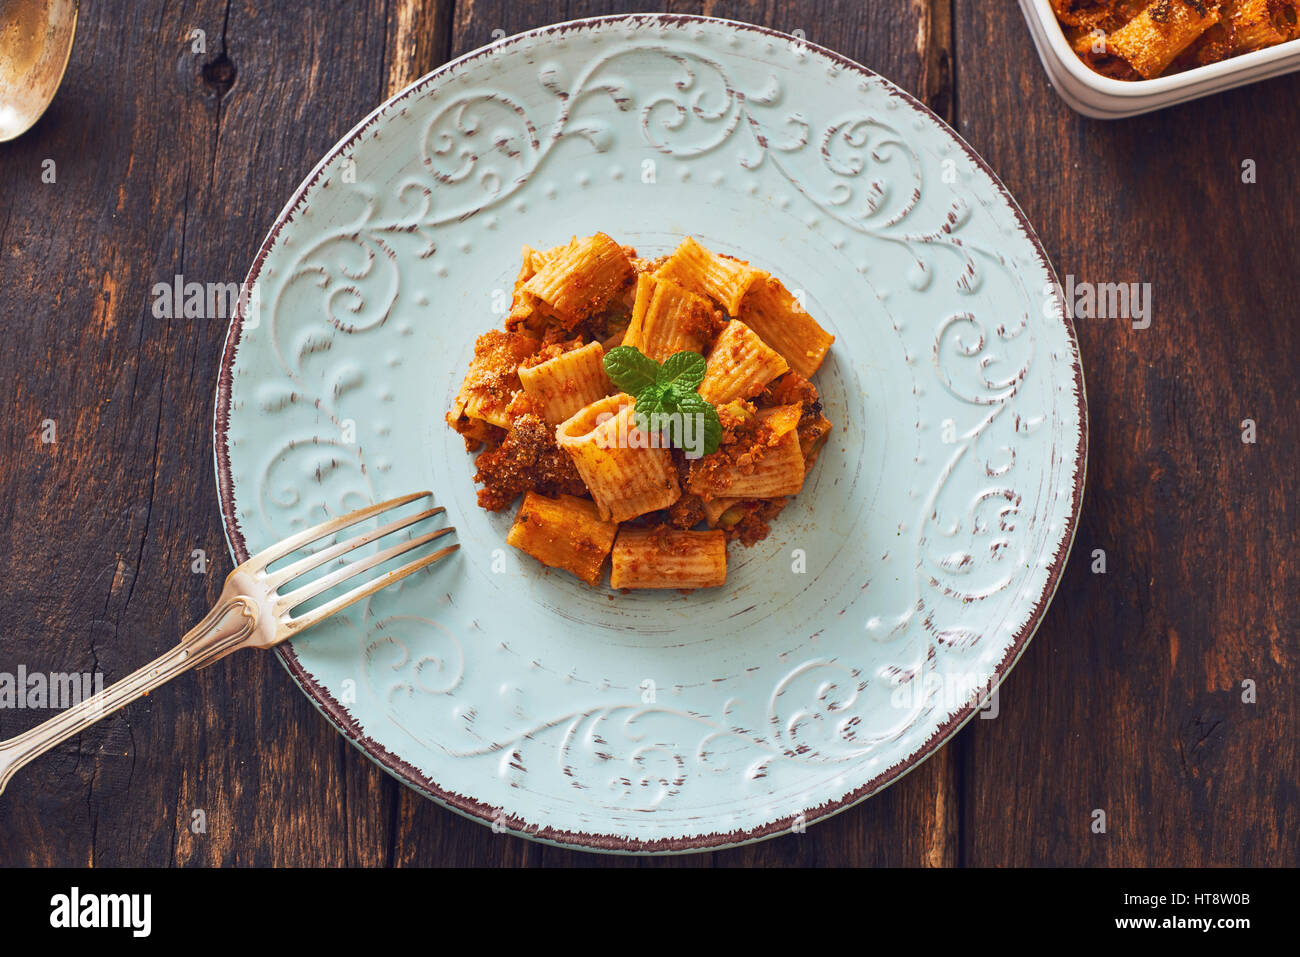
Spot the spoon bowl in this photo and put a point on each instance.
(35, 44)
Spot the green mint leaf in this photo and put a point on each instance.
(692, 403)
(703, 434)
(666, 400)
(712, 431)
(630, 369)
(675, 394)
(682, 369)
(650, 401)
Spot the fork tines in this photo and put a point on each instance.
(283, 604)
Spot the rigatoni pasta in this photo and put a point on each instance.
(626, 470)
(566, 383)
(781, 321)
(577, 280)
(740, 365)
(667, 318)
(1165, 28)
(648, 411)
(1256, 24)
(493, 378)
(1144, 39)
(705, 272)
(715, 508)
(778, 472)
(563, 532)
(668, 558)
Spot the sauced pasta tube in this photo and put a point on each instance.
(578, 280)
(705, 272)
(740, 365)
(780, 471)
(1254, 24)
(627, 471)
(1164, 29)
(667, 318)
(564, 532)
(568, 383)
(781, 322)
(492, 379)
(668, 558)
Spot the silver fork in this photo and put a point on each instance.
(251, 613)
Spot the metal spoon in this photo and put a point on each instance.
(35, 44)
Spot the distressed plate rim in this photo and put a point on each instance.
(347, 725)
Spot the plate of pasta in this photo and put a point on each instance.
(747, 386)
(1117, 58)
(1138, 40)
(647, 410)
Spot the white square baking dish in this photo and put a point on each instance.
(1104, 98)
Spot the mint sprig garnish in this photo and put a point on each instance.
(685, 370)
(693, 404)
(666, 396)
(630, 369)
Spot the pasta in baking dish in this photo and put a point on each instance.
(644, 412)
(1142, 39)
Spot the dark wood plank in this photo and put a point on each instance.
(1129, 700)
(419, 39)
(168, 161)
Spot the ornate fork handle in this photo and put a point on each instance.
(230, 625)
(254, 612)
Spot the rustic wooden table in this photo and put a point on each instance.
(1130, 700)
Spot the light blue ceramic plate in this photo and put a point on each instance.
(893, 594)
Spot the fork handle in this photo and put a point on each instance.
(223, 630)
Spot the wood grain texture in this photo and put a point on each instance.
(419, 40)
(175, 161)
(1130, 698)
